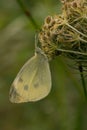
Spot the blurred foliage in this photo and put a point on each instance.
(65, 107)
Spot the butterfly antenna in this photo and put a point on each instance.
(36, 41)
(37, 48)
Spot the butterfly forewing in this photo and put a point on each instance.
(33, 82)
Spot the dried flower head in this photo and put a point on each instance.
(66, 32)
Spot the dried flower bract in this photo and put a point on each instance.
(66, 34)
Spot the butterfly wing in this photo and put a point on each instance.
(33, 82)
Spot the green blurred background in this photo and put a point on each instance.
(65, 107)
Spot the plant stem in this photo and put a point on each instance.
(83, 80)
(28, 14)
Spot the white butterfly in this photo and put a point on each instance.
(33, 81)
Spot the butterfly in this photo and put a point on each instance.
(33, 82)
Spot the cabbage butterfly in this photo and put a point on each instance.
(33, 81)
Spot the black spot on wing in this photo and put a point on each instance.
(13, 93)
(26, 87)
(36, 85)
(20, 80)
